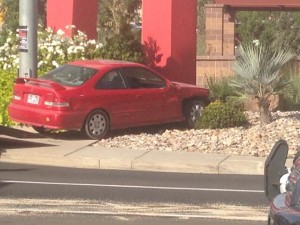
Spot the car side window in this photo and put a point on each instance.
(141, 78)
(111, 80)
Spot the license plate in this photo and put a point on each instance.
(33, 99)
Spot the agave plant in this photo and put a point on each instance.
(258, 74)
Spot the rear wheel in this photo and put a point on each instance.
(192, 112)
(96, 125)
(41, 130)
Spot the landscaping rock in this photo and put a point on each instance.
(253, 140)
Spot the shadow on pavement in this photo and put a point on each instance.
(21, 133)
(10, 143)
(18, 133)
(66, 135)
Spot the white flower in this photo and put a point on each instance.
(40, 63)
(92, 42)
(54, 63)
(16, 61)
(70, 49)
(256, 42)
(50, 49)
(70, 27)
(100, 45)
(60, 32)
(49, 30)
(59, 51)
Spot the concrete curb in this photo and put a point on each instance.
(31, 148)
(138, 160)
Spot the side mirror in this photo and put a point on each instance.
(275, 168)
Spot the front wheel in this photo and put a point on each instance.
(96, 125)
(192, 112)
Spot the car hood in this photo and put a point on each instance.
(180, 84)
(192, 89)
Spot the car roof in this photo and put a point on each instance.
(97, 64)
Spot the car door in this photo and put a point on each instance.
(275, 168)
(154, 100)
(113, 96)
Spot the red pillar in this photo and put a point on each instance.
(81, 13)
(169, 35)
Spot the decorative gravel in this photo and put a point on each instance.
(252, 140)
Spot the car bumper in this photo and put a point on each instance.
(51, 119)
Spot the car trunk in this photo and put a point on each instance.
(39, 93)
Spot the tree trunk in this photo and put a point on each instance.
(265, 114)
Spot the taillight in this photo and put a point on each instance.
(55, 102)
(17, 97)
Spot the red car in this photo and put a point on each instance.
(97, 95)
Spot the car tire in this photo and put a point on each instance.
(192, 112)
(96, 124)
(41, 130)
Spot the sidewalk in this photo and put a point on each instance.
(26, 146)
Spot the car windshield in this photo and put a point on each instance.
(70, 75)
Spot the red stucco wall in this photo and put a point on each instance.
(61, 13)
(169, 33)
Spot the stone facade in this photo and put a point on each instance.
(220, 45)
(219, 52)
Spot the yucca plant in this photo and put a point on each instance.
(258, 74)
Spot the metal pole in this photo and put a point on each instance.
(28, 11)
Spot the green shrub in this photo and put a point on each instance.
(291, 97)
(6, 81)
(121, 47)
(220, 90)
(221, 115)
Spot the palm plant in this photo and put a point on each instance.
(258, 74)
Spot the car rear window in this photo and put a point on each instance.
(70, 75)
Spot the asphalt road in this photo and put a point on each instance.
(119, 220)
(54, 182)
(39, 193)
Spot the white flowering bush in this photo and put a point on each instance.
(9, 53)
(54, 49)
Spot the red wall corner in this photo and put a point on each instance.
(61, 13)
(169, 36)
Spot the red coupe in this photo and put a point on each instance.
(97, 95)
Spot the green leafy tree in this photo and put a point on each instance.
(10, 13)
(259, 74)
(116, 16)
(276, 29)
(115, 20)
